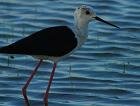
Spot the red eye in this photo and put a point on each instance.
(87, 12)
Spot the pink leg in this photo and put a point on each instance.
(49, 84)
(28, 82)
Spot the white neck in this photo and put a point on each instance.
(81, 28)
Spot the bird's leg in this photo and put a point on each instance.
(28, 82)
(49, 84)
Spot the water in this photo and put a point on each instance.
(104, 72)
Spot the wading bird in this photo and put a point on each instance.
(54, 43)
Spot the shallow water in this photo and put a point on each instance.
(104, 72)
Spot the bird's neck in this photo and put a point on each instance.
(81, 28)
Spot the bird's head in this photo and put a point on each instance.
(85, 14)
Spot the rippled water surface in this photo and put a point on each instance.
(104, 72)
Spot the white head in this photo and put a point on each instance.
(83, 15)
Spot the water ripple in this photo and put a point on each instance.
(104, 72)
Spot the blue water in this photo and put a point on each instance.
(104, 72)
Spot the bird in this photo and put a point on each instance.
(54, 43)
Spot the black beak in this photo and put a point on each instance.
(99, 19)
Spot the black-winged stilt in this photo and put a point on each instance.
(54, 43)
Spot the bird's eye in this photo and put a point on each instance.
(87, 12)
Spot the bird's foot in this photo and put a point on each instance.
(25, 96)
(46, 101)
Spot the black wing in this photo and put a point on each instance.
(53, 41)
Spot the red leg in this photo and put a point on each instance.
(49, 84)
(28, 82)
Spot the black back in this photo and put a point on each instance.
(53, 41)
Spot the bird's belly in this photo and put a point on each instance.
(52, 58)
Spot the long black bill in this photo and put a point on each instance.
(99, 19)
